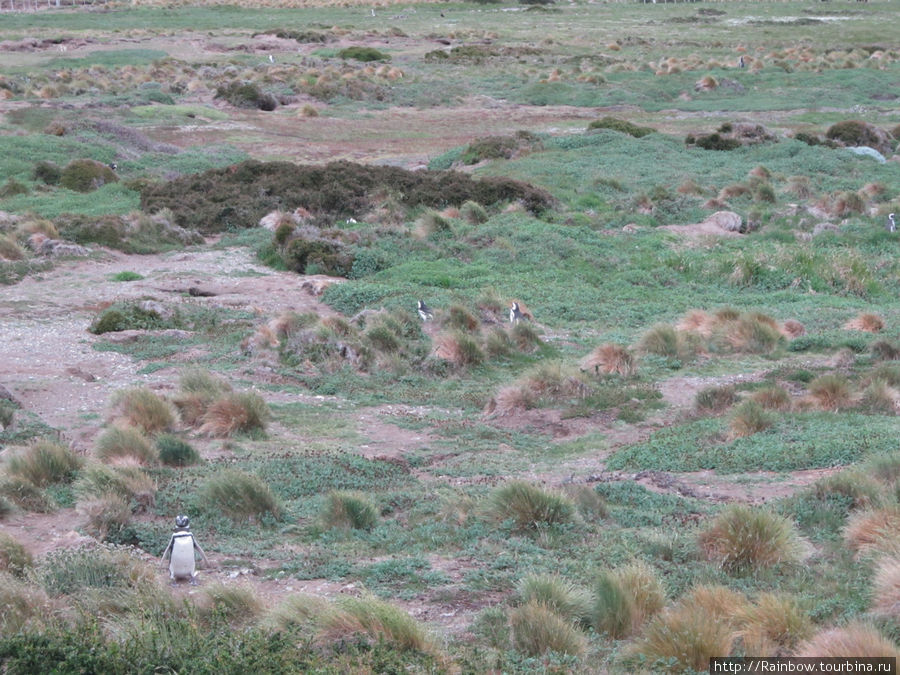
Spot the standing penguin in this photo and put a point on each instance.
(181, 549)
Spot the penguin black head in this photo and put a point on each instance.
(182, 521)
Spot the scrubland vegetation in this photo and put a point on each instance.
(686, 447)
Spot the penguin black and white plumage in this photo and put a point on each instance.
(891, 224)
(425, 312)
(515, 314)
(182, 563)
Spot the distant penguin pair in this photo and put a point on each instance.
(182, 563)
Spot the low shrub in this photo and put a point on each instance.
(47, 172)
(197, 390)
(67, 571)
(537, 629)
(296, 611)
(127, 316)
(86, 175)
(241, 496)
(365, 54)
(772, 398)
(12, 187)
(44, 463)
(349, 511)
(742, 539)
(174, 451)
(715, 400)
(529, 507)
(246, 95)
(622, 126)
(715, 141)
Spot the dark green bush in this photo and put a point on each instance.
(363, 54)
(716, 142)
(175, 452)
(12, 187)
(238, 196)
(47, 172)
(246, 95)
(128, 316)
(622, 126)
(86, 175)
(853, 132)
(303, 36)
(329, 257)
(809, 139)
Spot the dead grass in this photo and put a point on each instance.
(873, 530)
(235, 412)
(141, 408)
(831, 392)
(866, 322)
(610, 359)
(856, 639)
(773, 625)
(792, 329)
(749, 418)
(772, 398)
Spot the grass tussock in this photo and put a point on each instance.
(684, 636)
(792, 329)
(174, 451)
(14, 558)
(547, 383)
(25, 606)
(866, 323)
(125, 444)
(873, 530)
(241, 496)
(236, 603)
(886, 588)
(610, 359)
(772, 398)
(854, 485)
(773, 625)
(742, 539)
(529, 507)
(235, 412)
(130, 483)
(831, 392)
(568, 600)
(348, 511)
(644, 587)
(371, 620)
(750, 417)
(105, 515)
(25, 495)
(44, 463)
(613, 609)
(538, 629)
(856, 639)
(715, 400)
(197, 390)
(296, 611)
(143, 409)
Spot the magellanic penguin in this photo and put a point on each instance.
(182, 563)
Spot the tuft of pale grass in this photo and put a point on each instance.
(44, 463)
(125, 443)
(524, 337)
(742, 538)
(686, 636)
(236, 603)
(696, 321)
(25, 495)
(717, 601)
(128, 482)
(197, 390)
(751, 333)
(642, 584)
(886, 588)
(880, 396)
(25, 606)
(14, 558)
(831, 392)
(431, 223)
(241, 496)
(348, 511)
(590, 504)
(884, 350)
(296, 611)
(512, 398)
(856, 639)
(610, 359)
(375, 620)
(749, 418)
(570, 601)
(614, 610)
(715, 400)
(792, 329)
(537, 629)
(459, 349)
(529, 507)
(235, 412)
(866, 322)
(858, 486)
(774, 620)
(884, 467)
(661, 340)
(105, 514)
(460, 318)
(772, 398)
(473, 212)
(873, 530)
(141, 408)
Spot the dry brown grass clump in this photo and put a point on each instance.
(642, 584)
(866, 322)
(537, 629)
(772, 398)
(853, 640)
(547, 382)
(610, 358)
(235, 412)
(773, 625)
(799, 187)
(831, 392)
(197, 390)
(696, 321)
(873, 530)
(749, 418)
(141, 408)
(886, 596)
(236, 603)
(459, 349)
(717, 601)
(792, 329)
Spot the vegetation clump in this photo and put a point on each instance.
(246, 95)
(240, 195)
(500, 147)
(529, 507)
(86, 175)
(858, 133)
(45, 463)
(364, 54)
(241, 496)
(742, 539)
(174, 451)
(622, 126)
(349, 511)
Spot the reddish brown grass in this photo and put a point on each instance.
(610, 358)
(853, 640)
(866, 322)
(873, 530)
(792, 329)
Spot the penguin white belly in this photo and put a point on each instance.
(182, 561)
